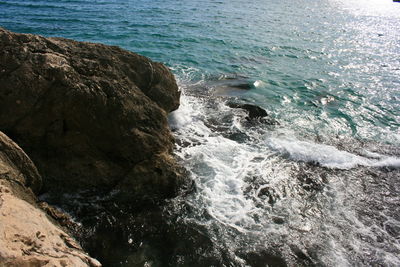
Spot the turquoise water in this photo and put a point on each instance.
(320, 188)
(303, 51)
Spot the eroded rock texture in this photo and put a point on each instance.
(27, 236)
(90, 116)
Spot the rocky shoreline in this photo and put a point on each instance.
(86, 117)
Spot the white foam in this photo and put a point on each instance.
(387, 162)
(220, 176)
(258, 83)
(190, 112)
(182, 116)
(220, 167)
(328, 156)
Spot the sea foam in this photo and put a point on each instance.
(328, 156)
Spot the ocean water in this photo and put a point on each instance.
(320, 187)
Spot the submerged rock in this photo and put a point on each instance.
(27, 236)
(254, 113)
(90, 116)
(235, 81)
(253, 110)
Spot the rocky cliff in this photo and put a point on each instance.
(90, 116)
(28, 237)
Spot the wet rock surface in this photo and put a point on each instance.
(254, 113)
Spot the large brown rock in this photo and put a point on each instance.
(28, 237)
(89, 115)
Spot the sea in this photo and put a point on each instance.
(316, 182)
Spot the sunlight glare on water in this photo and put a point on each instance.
(376, 8)
(320, 187)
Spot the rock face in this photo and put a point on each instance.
(16, 167)
(90, 116)
(27, 236)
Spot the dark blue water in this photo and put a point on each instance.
(321, 187)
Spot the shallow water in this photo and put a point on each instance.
(263, 191)
(320, 187)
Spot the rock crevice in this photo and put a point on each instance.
(28, 237)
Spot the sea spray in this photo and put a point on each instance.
(308, 193)
(273, 188)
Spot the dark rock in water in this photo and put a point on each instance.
(301, 256)
(278, 220)
(131, 237)
(90, 115)
(254, 113)
(269, 194)
(263, 258)
(228, 85)
(235, 82)
(239, 85)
